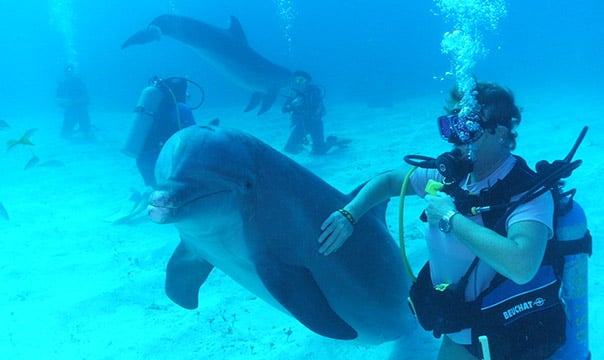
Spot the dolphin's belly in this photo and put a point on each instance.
(227, 251)
(252, 73)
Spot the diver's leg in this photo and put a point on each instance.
(84, 121)
(69, 121)
(296, 137)
(314, 126)
(145, 163)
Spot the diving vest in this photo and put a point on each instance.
(545, 318)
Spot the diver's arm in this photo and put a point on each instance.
(287, 106)
(378, 189)
(336, 229)
(517, 256)
(292, 102)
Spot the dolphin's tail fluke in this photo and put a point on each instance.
(254, 101)
(152, 33)
(264, 100)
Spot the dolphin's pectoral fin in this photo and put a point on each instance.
(254, 101)
(184, 276)
(296, 289)
(267, 101)
(152, 33)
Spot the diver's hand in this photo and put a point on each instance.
(437, 206)
(336, 229)
(297, 102)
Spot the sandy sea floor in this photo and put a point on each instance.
(76, 286)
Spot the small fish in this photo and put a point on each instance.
(52, 163)
(3, 125)
(32, 162)
(3, 212)
(23, 140)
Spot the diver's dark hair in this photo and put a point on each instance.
(303, 74)
(497, 107)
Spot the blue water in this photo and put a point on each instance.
(377, 52)
(355, 49)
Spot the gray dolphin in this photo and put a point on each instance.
(227, 50)
(245, 208)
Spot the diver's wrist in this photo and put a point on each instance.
(446, 222)
(348, 215)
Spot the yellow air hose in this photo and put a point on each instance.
(431, 188)
(401, 227)
(175, 102)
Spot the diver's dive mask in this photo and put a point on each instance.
(460, 129)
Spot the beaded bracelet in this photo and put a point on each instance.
(348, 216)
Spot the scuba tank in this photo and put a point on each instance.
(571, 229)
(147, 106)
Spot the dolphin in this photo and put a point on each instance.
(243, 207)
(227, 50)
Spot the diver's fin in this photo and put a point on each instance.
(140, 202)
(338, 141)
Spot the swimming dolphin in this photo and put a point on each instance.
(226, 49)
(245, 208)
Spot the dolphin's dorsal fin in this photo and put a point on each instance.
(236, 30)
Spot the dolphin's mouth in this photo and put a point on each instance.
(162, 208)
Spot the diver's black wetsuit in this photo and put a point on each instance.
(307, 109)
(165, 124)
(73, 98)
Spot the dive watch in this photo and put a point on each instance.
(445, 222)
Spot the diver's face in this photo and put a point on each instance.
(300, 82)
(487, 149)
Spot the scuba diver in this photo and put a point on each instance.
(72, 96)
(307, 110)
(500, 237)
(161, 111)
